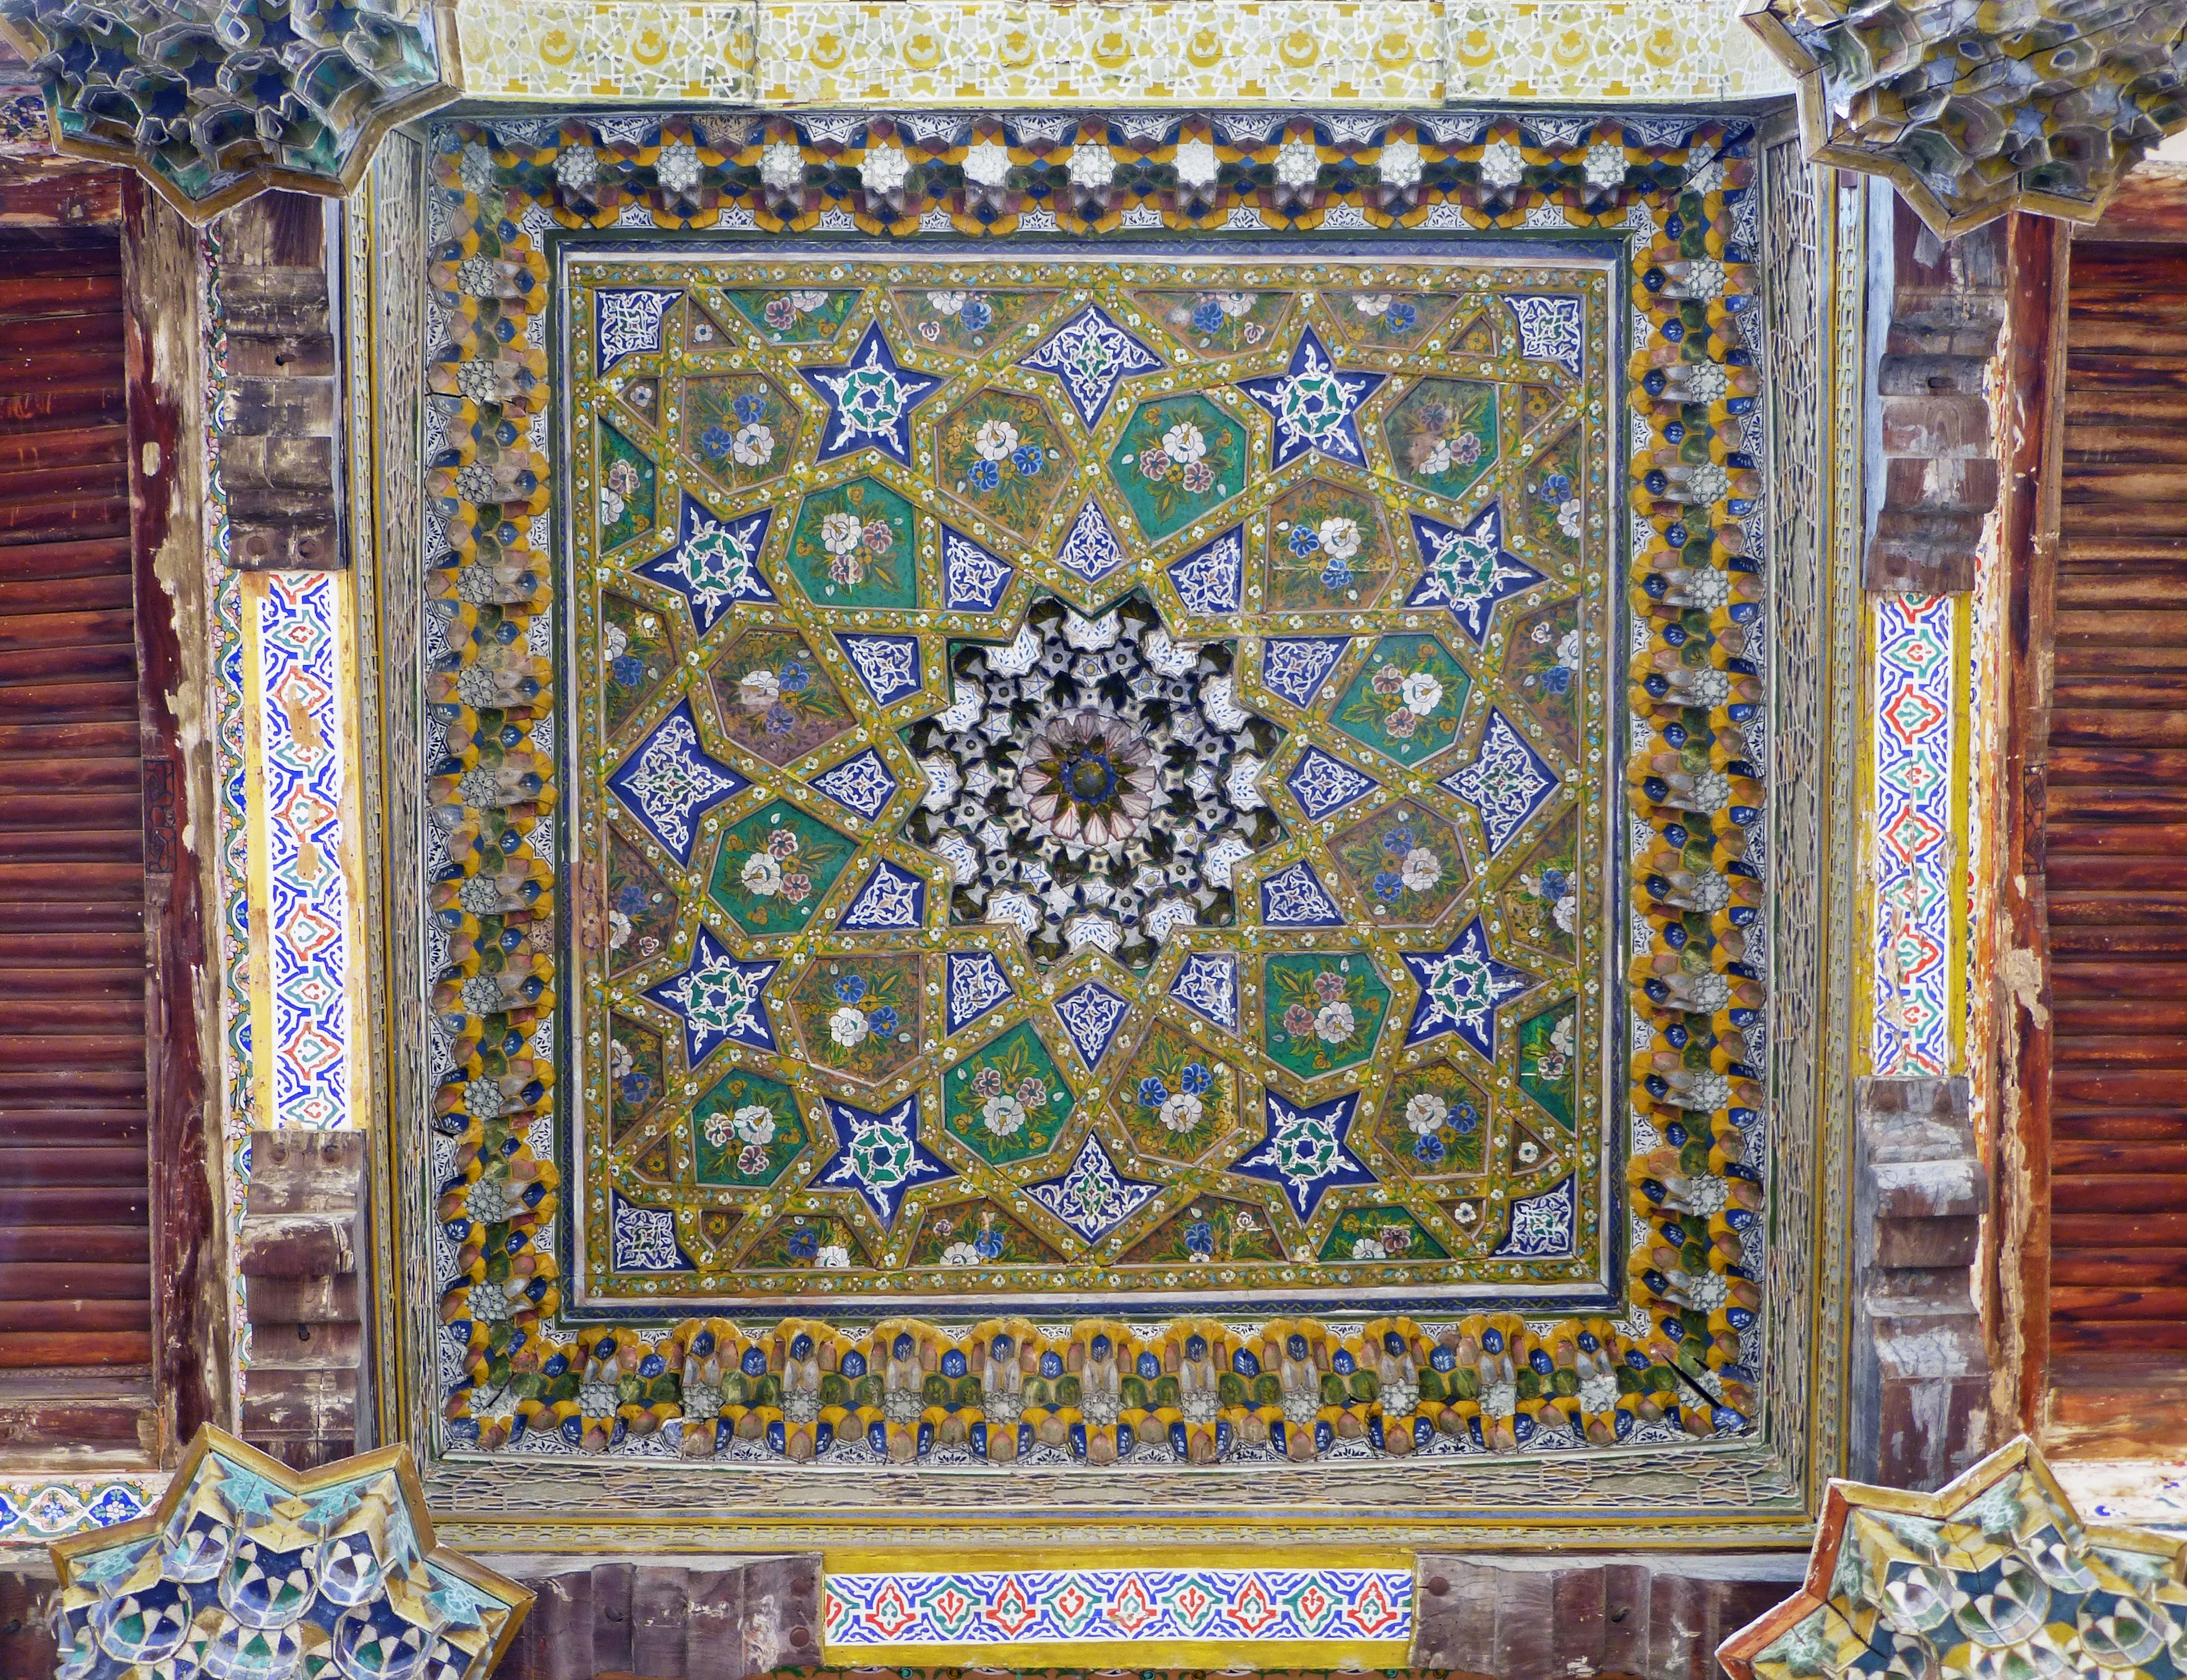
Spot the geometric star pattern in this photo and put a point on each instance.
(871, 641)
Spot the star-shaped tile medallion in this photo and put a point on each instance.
(870, 399)
(1305, 1152)
(879, 1155)
(1461, 989)
(1467, 569)
(1315, 404)
(717, 998)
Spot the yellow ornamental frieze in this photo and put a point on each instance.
(1324, 50)
(1384, 52)
(1583, 50)
(580, 49)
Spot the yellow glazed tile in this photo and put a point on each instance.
(1384, 52)
(1606, 50)
(635, 50)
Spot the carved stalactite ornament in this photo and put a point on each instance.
(2041, 105)
(215, 101)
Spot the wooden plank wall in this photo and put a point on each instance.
(76, 1291)
(2116, 835)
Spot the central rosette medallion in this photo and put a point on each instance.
(1094, 782)
(1091, 780)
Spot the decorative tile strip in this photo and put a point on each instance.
(1086, 1606)
(1916, 678)
(37, 1510)
(301, 857)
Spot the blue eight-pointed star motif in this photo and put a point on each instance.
(1313, 405)
(869, 401)
(1461, 988)
(1306, 1152)
(717, 998)
(1468, 570)
(879, 1155)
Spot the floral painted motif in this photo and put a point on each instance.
(860, 1017)
(1405, 701)
(1436, 1125)
(1322, 1012)
(1381, 1233)
(855, 546)
(773, 868)
(1442, 435)
(628, 495)
(1390, 319)
(1178, 1099)
(968, 322)
(1217, 323)
(1005, 457)
(1408, 863)
(1329, 550)
(1007, 1101)
(775, 698)
(1178, 460)
(746, 1130)
(1542, 661)
(638, 648)
(740, 429)
(799, 315)
(1543, 900)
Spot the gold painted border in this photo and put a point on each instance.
(501, 1504)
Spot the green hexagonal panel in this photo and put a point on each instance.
(1007, 1100)
(775, 866)
(1321, 1011)
(1404, 702)
(856, 546)
(746, 1130)
(1180, 458)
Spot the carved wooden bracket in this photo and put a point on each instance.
(1920, 1384)
(298, 1254)
(1939, 473)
